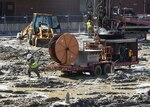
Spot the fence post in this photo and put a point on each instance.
(67, 16)
(4, 22)
(26, 19)
(79, 28)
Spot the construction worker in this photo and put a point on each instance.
(89, 27)
(130, 53)
(32, 65)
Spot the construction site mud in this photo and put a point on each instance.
(125, 87)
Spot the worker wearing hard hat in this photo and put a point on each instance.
(32, 65)
(89, 27)
(130, 54)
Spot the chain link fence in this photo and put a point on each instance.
(11, 25)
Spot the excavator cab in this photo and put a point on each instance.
(42, 29)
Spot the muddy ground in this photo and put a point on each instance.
(124, 87)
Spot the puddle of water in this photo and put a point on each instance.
(140, 91)
(87, 90)
(80, 91)
(144, 85)
(143, 88)
(53, 77)
(42, 94)
(3, 87)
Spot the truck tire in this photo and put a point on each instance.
(97, 71)
(107, 68)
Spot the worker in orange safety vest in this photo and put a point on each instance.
(130, 54)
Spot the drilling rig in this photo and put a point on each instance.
(103, 18)
(100, 10)
(114, 21)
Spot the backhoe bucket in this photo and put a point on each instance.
(42, 42)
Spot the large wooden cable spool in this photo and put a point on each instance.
(64, 49)
(52, 48)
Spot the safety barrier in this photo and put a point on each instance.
(14, 24)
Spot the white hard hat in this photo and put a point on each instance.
(29, 56)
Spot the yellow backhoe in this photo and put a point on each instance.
(41, 29)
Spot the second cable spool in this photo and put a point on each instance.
(64, 49)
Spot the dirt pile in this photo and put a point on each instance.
(114, 101)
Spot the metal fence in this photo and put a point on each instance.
(13, 24)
